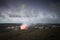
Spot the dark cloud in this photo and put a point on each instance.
(29, 11)
(3, 3)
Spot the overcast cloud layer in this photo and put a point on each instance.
(22, 11)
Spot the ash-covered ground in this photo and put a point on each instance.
(34, 32)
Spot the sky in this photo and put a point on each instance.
(30, 11)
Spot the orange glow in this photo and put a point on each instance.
(24, 27)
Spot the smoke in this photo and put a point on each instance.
(24, 14)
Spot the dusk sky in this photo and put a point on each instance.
(29, 11)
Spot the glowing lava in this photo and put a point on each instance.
(24, 27)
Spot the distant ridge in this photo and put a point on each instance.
(31, 23)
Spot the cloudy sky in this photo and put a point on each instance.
(29, 11)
